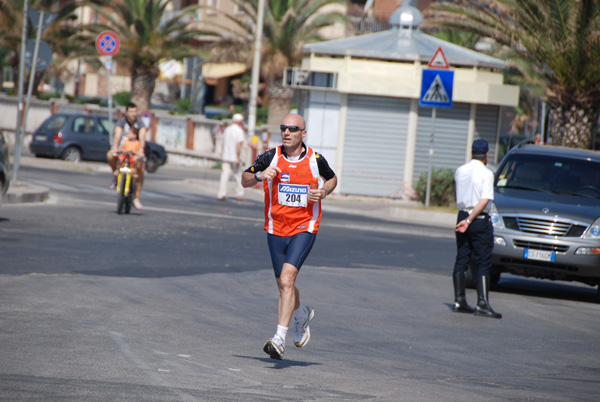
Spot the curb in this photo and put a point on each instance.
(26, 193)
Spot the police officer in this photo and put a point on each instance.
(474, 230)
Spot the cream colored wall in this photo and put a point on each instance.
(383, 78)
(337, 30)
(118, 83)
(207, 19)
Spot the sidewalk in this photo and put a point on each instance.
(387, 209)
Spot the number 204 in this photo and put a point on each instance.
(292, 197)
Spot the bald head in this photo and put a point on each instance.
(294, 119)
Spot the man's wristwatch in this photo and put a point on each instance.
(256, 177)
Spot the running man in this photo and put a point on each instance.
(296, 179)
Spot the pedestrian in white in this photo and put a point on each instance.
(233, 139)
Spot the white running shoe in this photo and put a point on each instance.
(302, 334)
(275, 347)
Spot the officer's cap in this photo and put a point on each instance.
(480, 146)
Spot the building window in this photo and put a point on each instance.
(214, 4)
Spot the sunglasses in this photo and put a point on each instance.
(292, 129)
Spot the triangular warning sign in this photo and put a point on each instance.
(438, 60)
(436, 92)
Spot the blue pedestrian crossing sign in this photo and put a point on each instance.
(436, 88)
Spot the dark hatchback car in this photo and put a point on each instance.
(75, 137)
(4, 166)
(546, 214)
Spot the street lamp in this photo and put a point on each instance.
(255, 68)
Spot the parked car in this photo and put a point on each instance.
(546, 214)
(4, 166)
(75, 137)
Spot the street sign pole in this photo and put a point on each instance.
(430, 165)
(19, 148)
(436, 91)
(107, 44)
(21, 83)
(110, 100)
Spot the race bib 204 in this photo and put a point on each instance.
(293, 195)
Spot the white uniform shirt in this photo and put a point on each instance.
(474, 181)
(232, 135)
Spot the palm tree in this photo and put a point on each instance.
(555, 45)
(461, 38)
(57, 35)
(288, 25)
(148, 34)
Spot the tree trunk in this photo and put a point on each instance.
(572, 123)
(143, 81)
(280, 102)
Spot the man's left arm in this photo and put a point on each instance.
(142, 138)
(238, 152)
(329, 186)
(330, 181)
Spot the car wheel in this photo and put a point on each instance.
(152, 163)
(598, 293)
(71, 154)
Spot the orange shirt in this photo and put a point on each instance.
(131, 146)
(287, 209)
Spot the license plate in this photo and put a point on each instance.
(40, 138)
(539, 255)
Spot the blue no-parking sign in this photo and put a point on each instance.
(436, 88)
(107, 43)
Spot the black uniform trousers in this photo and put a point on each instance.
(477, 240)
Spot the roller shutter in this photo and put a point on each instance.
(374, 146)
(486, 127)
(450, 139)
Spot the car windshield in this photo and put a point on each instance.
(104, 126)
(54, 123)
(560, 175)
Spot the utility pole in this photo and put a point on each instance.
(255, 68)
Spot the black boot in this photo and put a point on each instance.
(460, 301)
(483, 308)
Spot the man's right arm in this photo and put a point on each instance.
(261, 167)
(117, 138)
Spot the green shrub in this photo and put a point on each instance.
(261, 115)
(48, 95)
(122, 98)
(443, 188)
(184, 104)
(92, 100)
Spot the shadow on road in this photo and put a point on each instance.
(545, 289)
(280, 364)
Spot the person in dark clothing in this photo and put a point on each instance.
(474, 230)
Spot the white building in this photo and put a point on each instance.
(361, 103)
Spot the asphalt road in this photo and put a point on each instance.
(174, 303)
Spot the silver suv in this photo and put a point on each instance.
(546, 214)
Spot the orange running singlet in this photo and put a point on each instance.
(287, 209)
